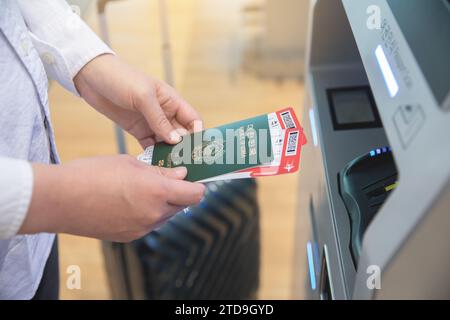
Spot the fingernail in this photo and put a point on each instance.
(175, 137)
(182, 131)
(197, 126)
(180, 171)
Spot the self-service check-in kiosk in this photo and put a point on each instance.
(375, 186)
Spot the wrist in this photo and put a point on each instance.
(46, 200)
(92, 72)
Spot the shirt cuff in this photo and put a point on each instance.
(16, 185)
(63, 40)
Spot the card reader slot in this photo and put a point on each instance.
(376, 193)
(371, 201)
(364, 185)
(393, 176)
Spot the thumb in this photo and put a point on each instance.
(178, 173)
(157, 120)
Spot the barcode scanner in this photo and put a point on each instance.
(364, 185)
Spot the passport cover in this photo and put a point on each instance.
(235, 150)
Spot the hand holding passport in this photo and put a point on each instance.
(265, 145)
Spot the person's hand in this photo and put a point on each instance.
(147, 108)
(112, 198)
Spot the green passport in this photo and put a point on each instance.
(236, 150)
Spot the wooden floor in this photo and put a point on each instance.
(207, 42)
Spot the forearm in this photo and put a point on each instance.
(52, 203)
(99, 102)
(114, 198)
(66, 197)
(106, 76)
(103, 84)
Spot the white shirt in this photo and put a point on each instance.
(38, 39)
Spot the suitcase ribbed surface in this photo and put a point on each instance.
(206, 252)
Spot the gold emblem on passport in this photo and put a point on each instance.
(209, 152)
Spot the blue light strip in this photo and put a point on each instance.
(388, 75)
(312, 273)
(378, 151)
(312, 120)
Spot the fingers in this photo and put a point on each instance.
(179, 127)
(170, 211)
(178, 173)
(188, 117)
(146, 142)
(162, 222)
(164, 109)
(185, 114)
(178, 192)
(157, 119)
(184, 193)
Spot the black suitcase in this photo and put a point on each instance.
(211, 251)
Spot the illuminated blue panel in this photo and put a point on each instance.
(312, 120)
(388, 75)
(312, 273)
(372, 153)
